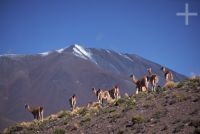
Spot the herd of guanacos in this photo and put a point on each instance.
(141, 85)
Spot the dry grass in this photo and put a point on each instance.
(169, 85)
(180, 97)
(137, 119)
(62, 114)
(142, 113)
(59, 131)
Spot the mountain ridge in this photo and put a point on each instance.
(50, 79)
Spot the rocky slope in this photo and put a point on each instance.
(50, 78)
(175, 110)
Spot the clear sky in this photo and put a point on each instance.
(149, 28)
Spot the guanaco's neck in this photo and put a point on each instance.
(29, 109)
(134, 79)
(150, 72)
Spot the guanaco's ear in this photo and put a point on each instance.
(26, 105)
(131, 75)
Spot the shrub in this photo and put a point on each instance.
(94, 109)
(83, 111)
(169, 84)
(194, 123)
(197, 130)
(159, 114)
(180, 85)
(126, 95)
(120, 132)
(62, 114)
(180, 97)
(146, 106)
(195, 82)
(59, 131)
(178, 128)
(120, 101)
(109, 110)
(137, 119)
(131, 102)
(141, 94)
(85, 119)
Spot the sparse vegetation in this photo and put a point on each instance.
(178, 128)
(85, 119)
(191, 83)
(167, 111)
(137, 119)
(169, 85)
(109, 110)
(195, 123)
(131, 102)
(158, 114)
(59, 131)
(120, 132)
(62, 114)
(121, 101)
(180, 85)
(196, 130)
(83, 111)
(180, 97)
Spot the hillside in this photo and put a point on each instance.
(175, 110)
(50, 78)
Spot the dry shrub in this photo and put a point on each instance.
(62, 114)
(137, 119)
(169, 85)
(59, 131)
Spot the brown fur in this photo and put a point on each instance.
(72, 102)
(114, 92)
(168, 74)
(101, 95)
(140, 84)
(153, 78)
(37, 112)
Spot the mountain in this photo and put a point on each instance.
(50, 78)
(166, 111)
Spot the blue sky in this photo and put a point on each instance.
(150, 29)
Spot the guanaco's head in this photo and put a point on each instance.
(132, 76)
(94, 90)
(74, 95)
(163, 69)
(26, 106)
(116, 86)
(149, 69)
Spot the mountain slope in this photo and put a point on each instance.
(50, 78)
(166, 111)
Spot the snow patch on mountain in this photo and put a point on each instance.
(108, 51)
(126, 56)
(60, 50)
(12, 55)
(44, 53)
(83, 53)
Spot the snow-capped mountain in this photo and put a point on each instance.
(50, 78)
